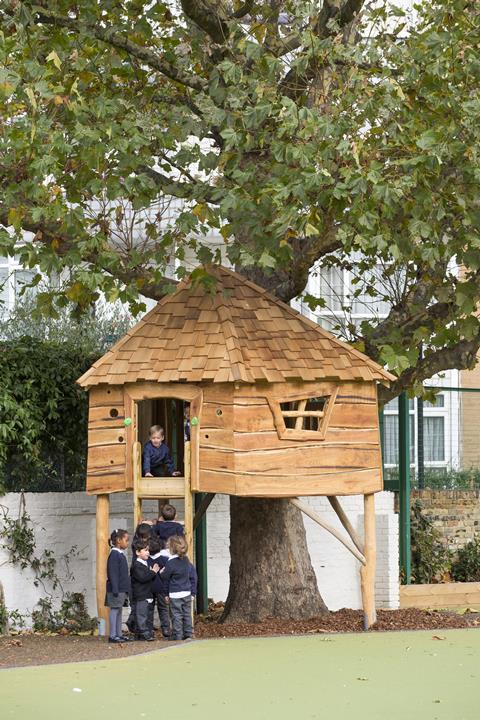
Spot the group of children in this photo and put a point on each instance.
(161, 576)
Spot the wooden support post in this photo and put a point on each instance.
(335, 503)
(188, 503)
(102, 527)
(137, 474)
(333, 531)
(367, 572)
(202, 508)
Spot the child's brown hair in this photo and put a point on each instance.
(156, 429)
(177, 545)
(169, 512)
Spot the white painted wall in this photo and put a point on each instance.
(62, 520)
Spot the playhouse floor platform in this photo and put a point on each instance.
(424, 674)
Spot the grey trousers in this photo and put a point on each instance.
(143, 613)
(182, 617)
(164, 614)
(115, 618)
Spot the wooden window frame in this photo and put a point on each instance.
(285, 433)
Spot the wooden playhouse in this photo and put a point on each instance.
(279, 408)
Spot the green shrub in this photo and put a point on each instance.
(431, 559)
(466, 566)
(71, 617)
(43, 415)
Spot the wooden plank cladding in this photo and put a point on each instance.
(107, 440)
(240, 443)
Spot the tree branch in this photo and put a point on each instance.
(111, 37)
(462, 356)
(343, 13)
(211, 17)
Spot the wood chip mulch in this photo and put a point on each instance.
(341, 621)
(36, 649)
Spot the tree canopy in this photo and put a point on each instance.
(297, 131)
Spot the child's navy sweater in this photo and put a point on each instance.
(167, 529)
(142, 580)
(158, 586)
(118, 580)
(153, 457)
(180, 576)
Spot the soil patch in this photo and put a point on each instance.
(37, 649)
(341, 621)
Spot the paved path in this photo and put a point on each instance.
(381, 676)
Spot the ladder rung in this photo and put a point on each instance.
(153, 488)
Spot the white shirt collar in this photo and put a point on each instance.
(143, 562)
(172, 557)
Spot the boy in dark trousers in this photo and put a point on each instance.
(161, 557)
(142, 578)
(167, 526)
(181, 582)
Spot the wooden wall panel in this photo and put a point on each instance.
(347, 462)
(107, 436)
(340, 483)
(212, 459)
(107, 441)
(312, 459)
(105, 395)
(354, 415)
(217, 482)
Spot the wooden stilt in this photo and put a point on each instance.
(367, 572)
(137, 474)
(333, 531)
(103, 515)
(335, 503)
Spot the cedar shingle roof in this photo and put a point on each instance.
(240, 333)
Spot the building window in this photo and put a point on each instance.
(13, 278)
(303, 418)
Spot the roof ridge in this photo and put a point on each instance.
(227, 325)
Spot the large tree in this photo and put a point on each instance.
(297, 131)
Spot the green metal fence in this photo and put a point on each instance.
(430, 443)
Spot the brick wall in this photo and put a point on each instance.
(455, 513)
(62, 520)
(470, 418)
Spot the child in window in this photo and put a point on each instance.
(156, 458)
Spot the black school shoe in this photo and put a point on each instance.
(145, 638)
(126, 638)
(116, 640)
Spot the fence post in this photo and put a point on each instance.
(201, 558)
(404, 487)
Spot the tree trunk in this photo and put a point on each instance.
(271, 574)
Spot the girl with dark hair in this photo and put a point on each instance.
(118, 584)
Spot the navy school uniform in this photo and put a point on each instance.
(118, 579)
(142, 578)
(180, 577)
(166, 529)
(157, 461)
(160, 592)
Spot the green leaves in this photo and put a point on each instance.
(289, 143)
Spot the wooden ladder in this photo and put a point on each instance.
(163, 488)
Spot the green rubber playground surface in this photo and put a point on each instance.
(334, 677)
